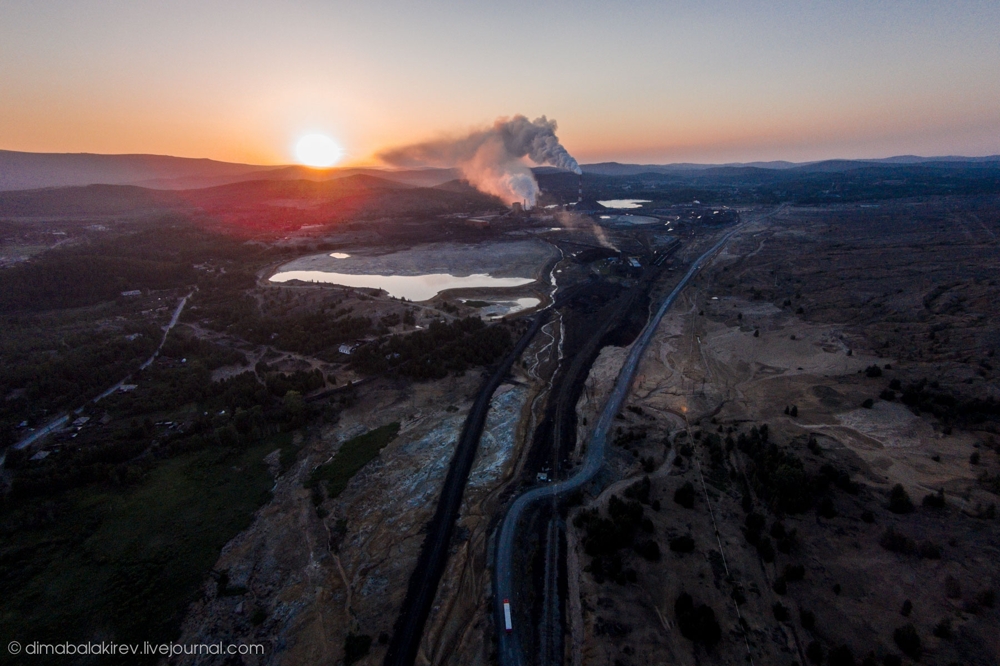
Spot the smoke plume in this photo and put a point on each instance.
(491, 159)
(577, 222)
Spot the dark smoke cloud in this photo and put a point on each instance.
(491, 159)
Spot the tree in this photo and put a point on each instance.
(356, 647)
(908, 641)
(696, 621)
(295, 408)
(841, 656)
(899, 500)
(685, 495)
(814, 652)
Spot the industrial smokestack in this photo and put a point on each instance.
(579, 193)
(491, 159)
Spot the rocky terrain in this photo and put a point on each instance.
(800, 380)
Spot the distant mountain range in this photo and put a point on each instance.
(617, 169)
(28, 171)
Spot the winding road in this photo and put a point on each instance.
(509, 646)
(62, 419)
(433, 556)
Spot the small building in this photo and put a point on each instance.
(347, 349)
(128, 388)
(132, 292)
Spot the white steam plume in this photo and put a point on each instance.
(491, 159)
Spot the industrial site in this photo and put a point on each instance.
(670, 418)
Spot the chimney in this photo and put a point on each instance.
(579, 195)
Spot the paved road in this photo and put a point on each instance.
(51, 426)
(149, 361)
(61, 420)
(433, 556)
(509, 646)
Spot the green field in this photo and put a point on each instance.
(124, 565)
(353, 455)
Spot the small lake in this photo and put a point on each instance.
(410, 287)
(498, 309)
(624, 203)
(628, 220)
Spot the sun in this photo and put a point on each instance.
(318, 150)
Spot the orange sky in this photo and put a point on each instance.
(646, 81)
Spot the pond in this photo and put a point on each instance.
(420, 272)
(495, 310)
(410, 287)
(628, 220)
(624, 203)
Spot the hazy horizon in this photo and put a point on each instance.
(658, 83)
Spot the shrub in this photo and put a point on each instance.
(754, 523)
(780, 611)
(794, 572)
(682, 544)
(825, 509)
(814, 652)
(807, 619)
(685, 495)
(974, 458)
(873, 371)
(696, 621)
(867, 516)
(356, 647)
(934, 500)
(930, 550)
(780, 585)
(896, 542)
(952, 588)
(649, 550)
(639, 490)
(868, 403)
(892, 660)
(943, 629)
(906, 609)
(795, 411)
(899, 500)
(765, 549)
(907, 640)
(841, 656)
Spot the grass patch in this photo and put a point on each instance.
(289, 450)
(353, 455)
(123, 565)
(478, 304)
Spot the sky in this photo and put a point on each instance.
(636, 81)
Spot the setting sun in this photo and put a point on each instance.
(318, 150)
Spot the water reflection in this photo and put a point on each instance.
(411, 287)
(498, 309)
(623, 203)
